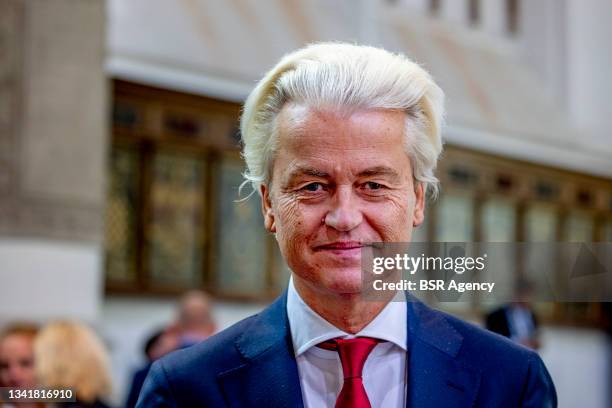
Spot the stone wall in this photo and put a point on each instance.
(53, 143)
(53, 119)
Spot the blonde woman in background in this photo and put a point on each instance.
(70, 355)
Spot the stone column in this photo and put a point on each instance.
(53, 141)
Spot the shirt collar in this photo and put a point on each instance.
(309, 329)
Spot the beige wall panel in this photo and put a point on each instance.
(53, 118)
(64, 129)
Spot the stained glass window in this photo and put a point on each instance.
(455, 221)
(498, 221)
(579, 227)
(175, 230)
(121, 222)
(541, 223)
(499, 225)
(241, 241)
(541, 226)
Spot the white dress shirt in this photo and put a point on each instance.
(320, 370)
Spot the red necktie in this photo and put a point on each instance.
(353, 354)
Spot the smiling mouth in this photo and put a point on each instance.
(340, 246)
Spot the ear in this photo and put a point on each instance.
(419, 206)
(266, 208)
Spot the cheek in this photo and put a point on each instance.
(289, 222)
(296, 223)
(287, 213)
(393, 219)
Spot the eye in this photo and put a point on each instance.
(313, 187)
(372, 185)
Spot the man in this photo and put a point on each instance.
(341, 142)
(516, 320)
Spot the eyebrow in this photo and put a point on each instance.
(370, 172)
(307, 171)
(380, 171)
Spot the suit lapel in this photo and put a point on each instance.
(269, 375)
(436, 378)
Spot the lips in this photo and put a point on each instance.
(340, 245)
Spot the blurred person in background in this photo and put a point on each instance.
(17, 356)
(70, 355)
(156, 346)
(194, 323)
(17, 359)
(517, 320)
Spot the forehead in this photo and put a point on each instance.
(16, 342)
(347, 141)
(299, 122)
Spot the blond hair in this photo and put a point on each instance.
(345, 76)
(70, 355)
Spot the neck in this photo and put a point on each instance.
(348, 312)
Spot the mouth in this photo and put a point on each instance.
(340, 246)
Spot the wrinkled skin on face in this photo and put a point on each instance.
(17, 361)
(340, 180)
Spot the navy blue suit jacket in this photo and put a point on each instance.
(251, 364)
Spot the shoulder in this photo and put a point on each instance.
(189, 375)
(217, 352)
(504, 364)
(482, 344)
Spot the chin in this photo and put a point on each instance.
(344, 281)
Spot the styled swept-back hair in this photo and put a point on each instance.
(352, 77)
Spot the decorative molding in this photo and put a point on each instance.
(24, 218)
(578, 158)
(189, 80)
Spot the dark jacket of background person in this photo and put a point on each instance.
(137, 382)
(451, 363)
(141, 374)
(498, 322)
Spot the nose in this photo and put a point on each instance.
(344, 214)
